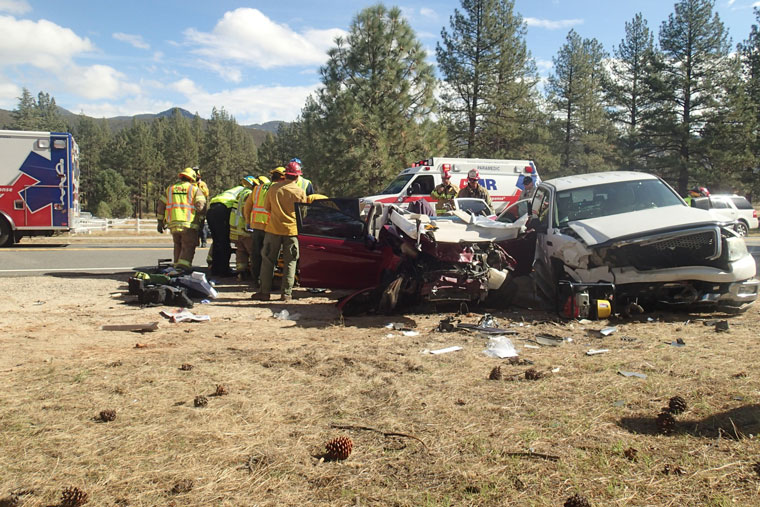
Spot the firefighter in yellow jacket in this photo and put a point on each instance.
(257, 221)
(182, 207)
(239, 230)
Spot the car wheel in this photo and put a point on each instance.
(6, 233)
(741, 228)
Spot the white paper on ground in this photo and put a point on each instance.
(447, 349)
(184, 315)
(594, 352)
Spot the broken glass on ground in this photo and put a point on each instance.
(593, 352)
(608, 330)
(549, 340)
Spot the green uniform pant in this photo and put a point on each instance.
(269, 255)
(243, 251)
(258, 246)
(185, 242)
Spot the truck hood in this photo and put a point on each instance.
(604, 230)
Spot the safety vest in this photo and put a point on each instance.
(180, 205)
(237, 222)
(259, 214)
(228, 197)
(303, 183)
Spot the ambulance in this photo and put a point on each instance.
(39, 184)
(502, 178)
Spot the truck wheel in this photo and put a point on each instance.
(741, 228)
(6, 233)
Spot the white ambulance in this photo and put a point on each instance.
(502, 178)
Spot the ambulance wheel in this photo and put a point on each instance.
(6, 233)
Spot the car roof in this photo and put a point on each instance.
(590, 179)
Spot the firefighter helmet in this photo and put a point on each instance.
(473, 174)
(293, 169)
(249, 182)
(279, 170)
(445, 174)
(188, 174)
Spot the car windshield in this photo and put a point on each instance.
(398, 184)
(612, 199)
(474, 206)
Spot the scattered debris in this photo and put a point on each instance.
(632, 374)
(221, 390)
(410, 333)
(73, 497)
(141, 345)
(445, 351)
(197, 285)
(673, 470)
(495, 373)
(678, 343)
(531, 454)
(741, 374)
(555, 370)
(396, 326)
(677, 405)
(200, 401)
(286, 315)
(629, 339)
(721, 326)
(186, 367)
(487, 320)
(182, 486)
(137, 328)
(533, 374)
(183, 315)
(666, 423)
(107, 415)
(593, 352)
(549, 340)
(516, 361)
(446, 325)
(632, 308)
(338, 449)
(460, 402)
(608, 330)
(577, 501)
(631, 454)
(500, 347)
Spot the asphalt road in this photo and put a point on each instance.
(110, 256)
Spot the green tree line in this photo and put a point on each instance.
(683, 103)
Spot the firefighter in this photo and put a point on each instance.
(444, 194)
(696, 192)
(281, 232)
(474, 189)
(238, 229)
(302, 182)
(203, 231)
(218, 217)
(181, 206)
(258, 217)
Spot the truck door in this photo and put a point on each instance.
(420, 187)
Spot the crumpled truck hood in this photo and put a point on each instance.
(605, 230)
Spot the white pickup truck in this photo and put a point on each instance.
(632, 229)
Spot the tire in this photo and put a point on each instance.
(6, 233)
(741, 228)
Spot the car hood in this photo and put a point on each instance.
(604, 230)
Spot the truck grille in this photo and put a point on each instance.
(697, 249)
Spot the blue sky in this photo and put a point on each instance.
(257, 59)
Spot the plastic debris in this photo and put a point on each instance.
(529, 346)
(487, 321)
(197, 285)
(593, 352)
(286, 315)
(446, 325)
(140, 328)
(183, 315)
(395, 325)
(608, 330)
(678, 343)
(555, 370)
(721, 326)
(500, 347)
(632, 374)
(205, 301)
(446, 350)
(584, 321)
(549, 340)
(410, 333)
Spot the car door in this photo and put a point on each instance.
(541, 213)
(335, 250)
(723, 208)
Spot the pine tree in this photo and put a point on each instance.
(749, 51)
(693, 82)
(489, 93)
(216, 154)
(26, 114)
(93, 138)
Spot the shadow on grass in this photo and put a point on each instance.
(736, 423)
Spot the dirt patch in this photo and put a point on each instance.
(425, 429)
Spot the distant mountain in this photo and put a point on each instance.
(258, 132)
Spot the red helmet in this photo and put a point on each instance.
(293, 169)
(445, 174)
(704, 192)
(473, 174)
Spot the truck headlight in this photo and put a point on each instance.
(737, 249)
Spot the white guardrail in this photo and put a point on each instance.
(87, 223)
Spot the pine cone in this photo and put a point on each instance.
(338, 448)
(676, 405)
(220, 390)
(186, 367)
(666, 423)
(533, 374)
(495, 373)
(107, 415)
(200, 401)
(73, 497)
(577, 501)
(673, 470)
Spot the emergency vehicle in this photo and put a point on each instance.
(39, 184)
(502, 178)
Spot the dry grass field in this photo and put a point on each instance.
(426, 429)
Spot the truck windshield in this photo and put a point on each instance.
(398, 184)
(612, 199)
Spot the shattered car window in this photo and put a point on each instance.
(398, 184)
(612, 199)
(326, 218)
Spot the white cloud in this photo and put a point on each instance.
(158, 56)
(42, 43)
(428, 13)
(99, 82)
(9, 94)
(253, 104)
(227, 72)
(138, 105)
(15, 6)
(250, 38)
(135, 40)
(544, 65)
(553, 25)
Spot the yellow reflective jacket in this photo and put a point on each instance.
(237, 221)
(181, 200)
(259, 215)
